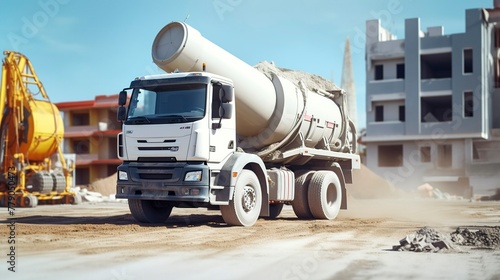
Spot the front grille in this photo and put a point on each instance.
(156, 159)
(174, 148)
(155, 176)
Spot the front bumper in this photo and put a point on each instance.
(163, 181)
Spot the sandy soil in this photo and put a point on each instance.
(102, 241)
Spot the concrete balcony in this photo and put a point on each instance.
(90, 159)
(384, 131)
(434, 85)
(86, 158)
(89, 130)
(385, 86)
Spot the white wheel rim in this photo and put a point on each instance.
(248, 199)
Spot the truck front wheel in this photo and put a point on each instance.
(149, 211)
(244, 209)
(325, 195)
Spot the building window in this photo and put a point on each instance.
(467, 60)
(402, 113)
(468, 104)
(444, 155)
(112, 148)
(435, 66)
(436, 109)
(80, 119)
(425, 154)
(112, 169)
(379, 72)
(390, 155)
(379, 113)
(82, 176)
(81, 146)
(400, 71)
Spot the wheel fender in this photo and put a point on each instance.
(338, 170)
(236, 163)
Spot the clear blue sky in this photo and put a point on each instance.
(81, 49)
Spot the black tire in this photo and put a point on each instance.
(325, 195)
(149, 211)
(74, 199)
(59, 182)
(41, 182)
(300, 203)
(275, 210)
(244, 209)
(30, 201)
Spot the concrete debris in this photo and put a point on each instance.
(428, 191)
(429, 240)
(95, 197)
(495, 197)
(488, 237)
(425, 190)
(424, 240)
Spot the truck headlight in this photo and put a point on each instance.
(193, 176)
(122, 175)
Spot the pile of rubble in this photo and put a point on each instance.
(495, 197)
(105, 186)
(424, 240)
(488, 237)
(430, 240)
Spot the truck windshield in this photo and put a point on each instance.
(172, 104)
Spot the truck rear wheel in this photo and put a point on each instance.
(325, 195)
(149, 211)
(300, 203)
(244, 209)
(275, 210)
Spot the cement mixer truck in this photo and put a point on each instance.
(215, 132)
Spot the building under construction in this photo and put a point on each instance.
(432, 104)
(90, 133)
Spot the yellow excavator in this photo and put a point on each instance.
(32, 165)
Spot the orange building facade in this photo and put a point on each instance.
(90, 132)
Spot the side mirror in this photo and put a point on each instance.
(122, 98)
(226, 94)
(122, 113)
(226, 110)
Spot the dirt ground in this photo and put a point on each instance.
(102, 241)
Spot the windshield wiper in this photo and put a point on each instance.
(174, 116)
(140, 119)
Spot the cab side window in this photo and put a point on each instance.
(215, 101)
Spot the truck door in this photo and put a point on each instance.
(223, 124)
